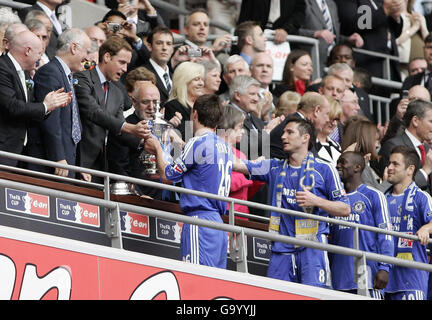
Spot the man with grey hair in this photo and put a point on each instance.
(235, 65)
(39, 29)
(57, 137)
(7, 17)
(345, 72)
(243, 94)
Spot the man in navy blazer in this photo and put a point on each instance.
(16, 102)
(56, 138)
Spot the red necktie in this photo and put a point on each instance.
(422, 152)
(105, 89)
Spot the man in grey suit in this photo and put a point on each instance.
(322, 22)
(418, 123)
(101, 104)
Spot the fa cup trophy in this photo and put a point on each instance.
(161, 130)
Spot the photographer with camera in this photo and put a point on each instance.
(141, 14)
(196, 30)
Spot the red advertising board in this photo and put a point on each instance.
(34, 271)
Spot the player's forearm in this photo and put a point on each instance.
(161, 164)
(334, 208)
(240, 166)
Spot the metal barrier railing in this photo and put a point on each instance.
(386, 60)
(237, 234)
(380, 103)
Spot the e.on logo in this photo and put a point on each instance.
(33, 287)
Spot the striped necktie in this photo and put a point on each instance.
(326, 15)
(167, 82)
(76, 129)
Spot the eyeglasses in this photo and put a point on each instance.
(147, 102)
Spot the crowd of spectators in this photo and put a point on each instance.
(85, 96)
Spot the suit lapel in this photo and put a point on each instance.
(97, 87)
(15, 76)
(160, 83)
(317, 11)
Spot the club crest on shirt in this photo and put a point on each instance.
(359, 206)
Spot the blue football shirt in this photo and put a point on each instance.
(368, 207)
(204, 165)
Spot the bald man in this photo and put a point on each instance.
(125, 160)
(16, 100)
(313, 107)
(262, 70)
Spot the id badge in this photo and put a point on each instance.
(274, 224)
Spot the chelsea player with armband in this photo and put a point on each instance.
(204, 165)
(368, 207)
(411, 212)
(302, 183)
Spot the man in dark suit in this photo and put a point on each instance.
(422, 78)
(101, 104)
(49, 8)
(244, 91)
(286, 20)
(379, 23)
(160, 43)
(322, 22)
(313, 107)
(418, 123)
(57, 137)
(16, 102)
(244, 96)
(124, 160)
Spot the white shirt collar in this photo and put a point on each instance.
(47, 10)
(101, 75)
(413, 139)
(160, 71)
(15, 63)
(65, 67)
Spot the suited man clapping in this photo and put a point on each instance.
(16, 95)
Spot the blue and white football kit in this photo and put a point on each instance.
(287, 262)
(409, 212)
(368, 207)
(204, 165)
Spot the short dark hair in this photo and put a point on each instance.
(357, 159)
(113, 13)
(243, 30)
(305, 126)
(417, 108)
(209, 110)
(113, 45)
(410, 156)
(156, 30)
(428, 38)
(202, 10)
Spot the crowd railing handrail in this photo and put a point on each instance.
(173, 188)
